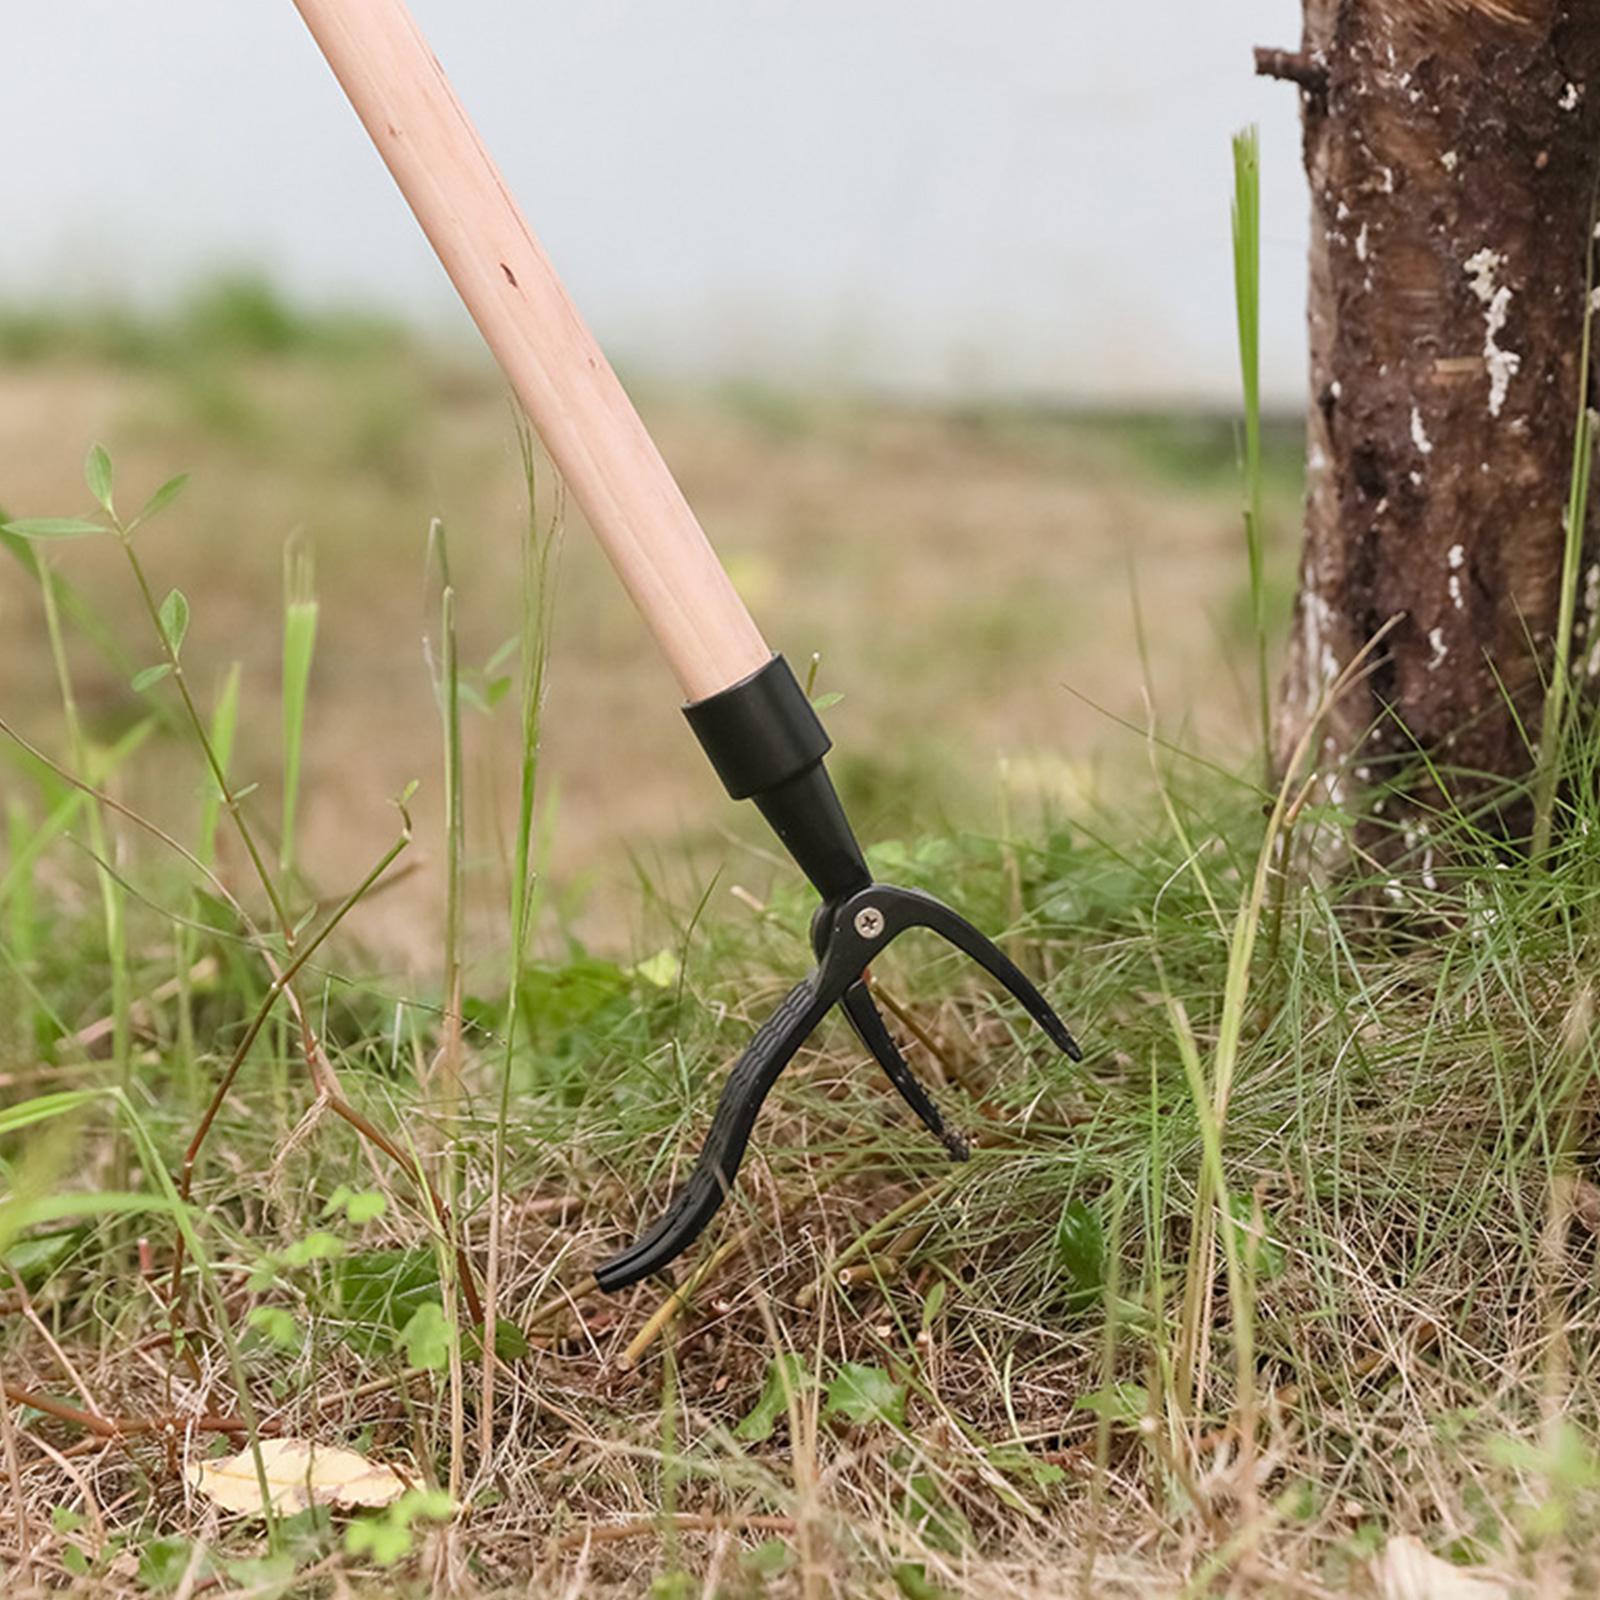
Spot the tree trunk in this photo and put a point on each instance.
(1450, 147)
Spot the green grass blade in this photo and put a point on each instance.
(1247, 298)
(113, 909)
(224, 730)
(1553, 727)
(299, 646)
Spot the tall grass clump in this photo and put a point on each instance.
(292, 942)
(540, 550)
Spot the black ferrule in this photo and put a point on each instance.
(759, 732)
(767, 744)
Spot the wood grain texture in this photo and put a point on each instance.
(585, 419)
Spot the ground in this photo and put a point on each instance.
(1288, 1289)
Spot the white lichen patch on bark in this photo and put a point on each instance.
(1591, 604)
(1316, 651)
(1419, 434)
(1501, 364)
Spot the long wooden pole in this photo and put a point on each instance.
(583, 415)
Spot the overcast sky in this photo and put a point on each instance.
(928, 195)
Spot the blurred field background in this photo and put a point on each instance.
(1000, 593)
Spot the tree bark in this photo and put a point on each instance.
(1450, 147)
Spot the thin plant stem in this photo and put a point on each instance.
(224, 725)
(111, 894)
(450, 1044)
(299, 647)
(455, 857)
(1553, 726)
(537, 594)
(198, 728)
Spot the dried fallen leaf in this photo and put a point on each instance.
(1406, 1571)
(299, 1474)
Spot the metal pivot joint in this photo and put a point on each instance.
(767, 745)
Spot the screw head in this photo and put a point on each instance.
(869, 922)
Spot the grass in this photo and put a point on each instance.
(1247, 286)
(299, 649)
(1299, 1266)
(980, 1363)
(987, 1352)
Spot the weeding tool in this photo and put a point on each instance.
(743, 702)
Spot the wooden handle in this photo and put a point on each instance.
(572, 396)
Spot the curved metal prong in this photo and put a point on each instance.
(847, 934)
(753, 1075)
(910, 908)
(873, 1032)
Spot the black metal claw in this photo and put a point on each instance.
(874, 1033)
(922, 911)
(694, 1205)
(767, 745)
(849, 934)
